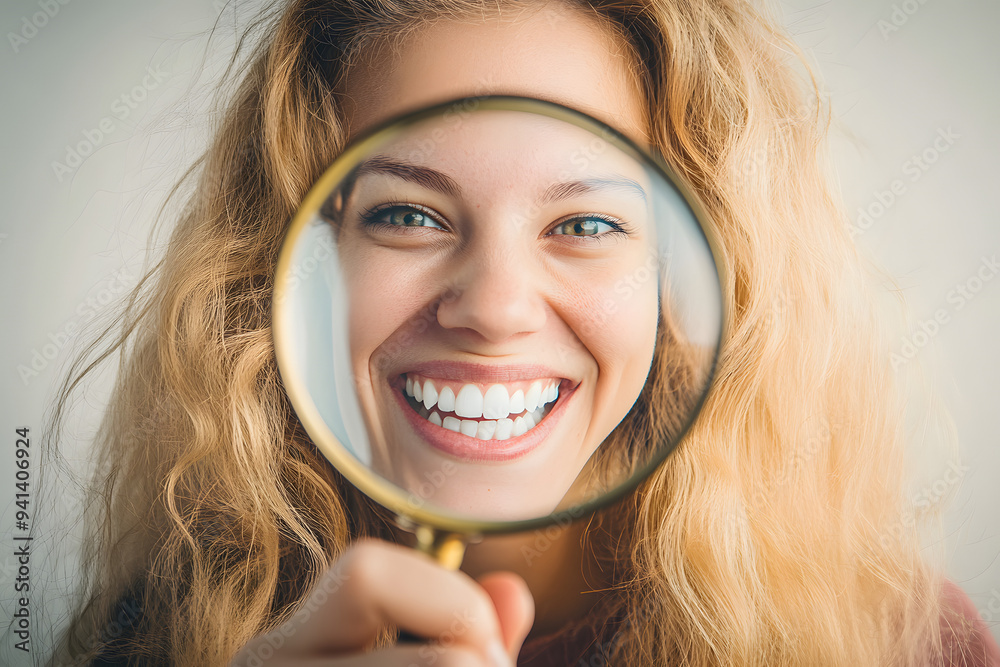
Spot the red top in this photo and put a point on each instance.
(965, 631)
(966, 640)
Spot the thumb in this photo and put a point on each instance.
(515, 607)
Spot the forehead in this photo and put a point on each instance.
(550, 52)
(494, 154)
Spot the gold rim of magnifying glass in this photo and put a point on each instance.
(379, 489)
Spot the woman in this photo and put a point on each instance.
(773, 536)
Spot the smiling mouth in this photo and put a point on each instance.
(498, 411)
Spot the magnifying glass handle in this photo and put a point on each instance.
(447, 549)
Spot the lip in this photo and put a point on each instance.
(468, 448)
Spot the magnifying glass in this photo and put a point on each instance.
(495, 314)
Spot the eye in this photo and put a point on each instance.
(591, 225)
(400, 215)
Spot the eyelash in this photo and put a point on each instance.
(618, 226)
(370, 219)
(369, 216)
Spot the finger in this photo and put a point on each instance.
(376, 583)
(515, 607)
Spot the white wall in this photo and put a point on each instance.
(917, 79)
(71, 241)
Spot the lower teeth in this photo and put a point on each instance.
(492, 429)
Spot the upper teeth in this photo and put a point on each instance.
(471, 402)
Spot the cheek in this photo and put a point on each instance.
(389, 310)
(616, 324)
(616, 321)
(629, 334)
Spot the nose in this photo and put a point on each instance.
(496, 293)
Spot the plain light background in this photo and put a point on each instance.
(899, 74)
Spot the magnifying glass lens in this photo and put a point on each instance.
(494, 312)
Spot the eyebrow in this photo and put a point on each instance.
(433, 179)
(569, 189)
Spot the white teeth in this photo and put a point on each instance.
(516, 403)
(469, 402)
(495, 415)
(490, 429)
(496, 404)
(430, 394)
(486, 429)
(531, 398)
(504, 428)
(446, 400)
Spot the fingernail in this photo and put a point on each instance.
(498, 654)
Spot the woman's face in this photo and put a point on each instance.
(494, 327)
